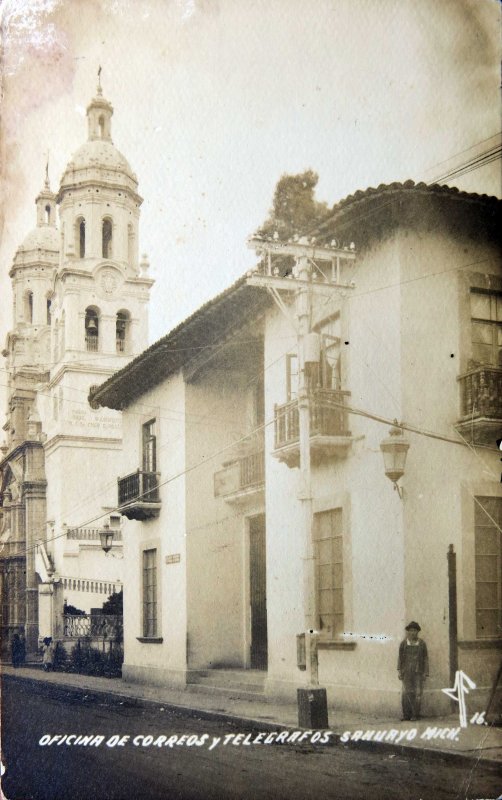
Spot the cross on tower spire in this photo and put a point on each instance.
(47, 183)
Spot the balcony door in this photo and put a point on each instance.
(258, 591)
(149, 447)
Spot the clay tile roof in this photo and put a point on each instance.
(358, 213)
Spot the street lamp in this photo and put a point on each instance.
(106, 537)
(395, 449)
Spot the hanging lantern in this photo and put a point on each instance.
(106, 538)
(395, 449)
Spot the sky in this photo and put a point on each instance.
(215, 99)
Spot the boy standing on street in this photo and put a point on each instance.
(412, 669)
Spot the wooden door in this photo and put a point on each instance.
(258, 591)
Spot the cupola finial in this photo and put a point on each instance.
(47, 182)
(100, 90)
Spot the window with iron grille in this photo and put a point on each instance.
(486, 327)
(150, 593)
(488, 566)
(328, 554)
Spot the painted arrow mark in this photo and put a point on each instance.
(458, 692)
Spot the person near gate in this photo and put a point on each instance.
(412, 670)
(48, 654)
(15, 647)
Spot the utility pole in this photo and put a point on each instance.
(317, 271)
(304, 316)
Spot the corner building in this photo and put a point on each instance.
(80, 310)
(215, 543)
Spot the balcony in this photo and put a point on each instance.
(91, 534)
(481, 405)
(139, 495)
(329, 429)
(242, 479)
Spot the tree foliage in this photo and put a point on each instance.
(69, 609)
(295, 209)
(114, 604)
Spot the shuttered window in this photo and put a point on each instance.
(328, 553)
(149, 447)
(486, 326)
(488, 555)
(149, 593)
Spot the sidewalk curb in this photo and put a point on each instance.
(265, 725)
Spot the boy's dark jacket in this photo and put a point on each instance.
(423, 658)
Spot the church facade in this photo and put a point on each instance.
(80, 312)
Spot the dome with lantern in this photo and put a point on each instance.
(98, 160)
(43, 237)
(42, 242)
(100, 153)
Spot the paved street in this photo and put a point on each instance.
(190, 771)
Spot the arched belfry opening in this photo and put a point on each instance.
(92, 329)
(47, 215)
(122, 326)
(28, 307)
(101, 126)
(106, 238)
(80, 243)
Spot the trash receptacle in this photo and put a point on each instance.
(312, 708)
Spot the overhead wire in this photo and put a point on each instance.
(351, 410)
(477, 162)
(466, 150)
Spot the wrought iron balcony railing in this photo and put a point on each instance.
(252, 469)
(481, 405)
(328, 417)
(103, 626)
(139, 496)
(245, 473)
(481, 392)
(90, 534)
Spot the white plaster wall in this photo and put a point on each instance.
(441, 478)
(81, 486)
(285, 542)
(217, 416)
(373, 548)
(165, 662)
